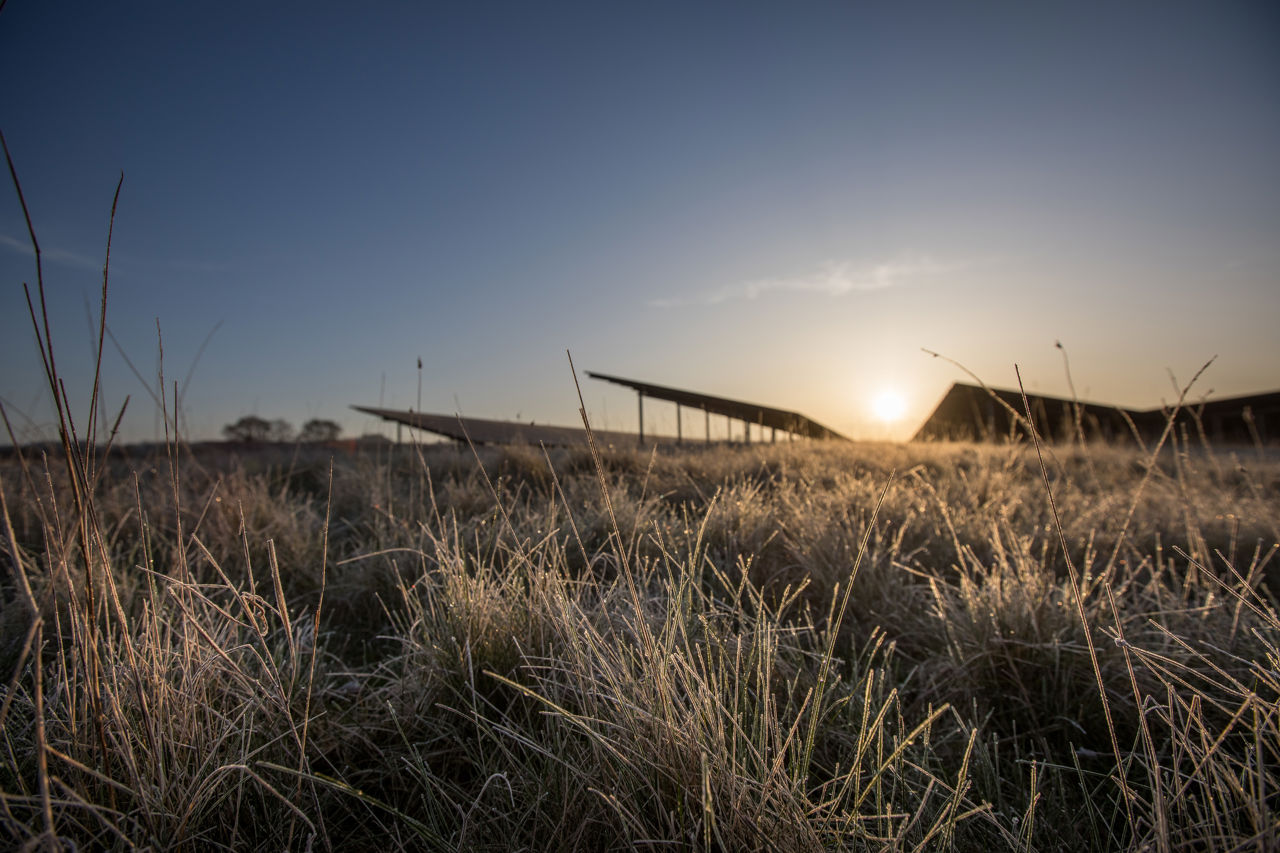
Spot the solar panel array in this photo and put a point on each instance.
(750, 413)
(482, 431)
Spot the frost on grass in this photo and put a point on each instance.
(804, 647)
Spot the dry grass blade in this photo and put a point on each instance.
(1078, 600)
(1170, 419)
(620, 548)
(833, 631)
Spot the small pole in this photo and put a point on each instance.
(746, 431)
(679, 431)
(707, 412)
(773, 435)
(640, 398)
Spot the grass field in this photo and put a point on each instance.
(801, 647)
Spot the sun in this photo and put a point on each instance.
(889, 406)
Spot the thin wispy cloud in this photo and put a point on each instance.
(86, 262)
(53, 256)
(831, 279)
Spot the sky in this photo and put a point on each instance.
(786, 203)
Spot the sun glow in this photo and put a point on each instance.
(889, 406)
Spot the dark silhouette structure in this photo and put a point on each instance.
(973, 413)
(751, 414)
(480, 431)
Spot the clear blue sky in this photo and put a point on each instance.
(780, 202)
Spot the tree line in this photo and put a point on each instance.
(252, 428)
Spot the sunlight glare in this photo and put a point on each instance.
(889, 406)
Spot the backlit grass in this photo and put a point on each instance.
(791, 647)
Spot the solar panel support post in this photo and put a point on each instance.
(746, 431)
(679, 431)
(707, 413)
(640, 398)
(773, 435)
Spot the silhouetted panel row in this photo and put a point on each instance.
(749, 413)
(973, 413)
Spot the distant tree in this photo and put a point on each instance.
(249, 428)
(318, 429)
(280, 430)
(252, 428)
